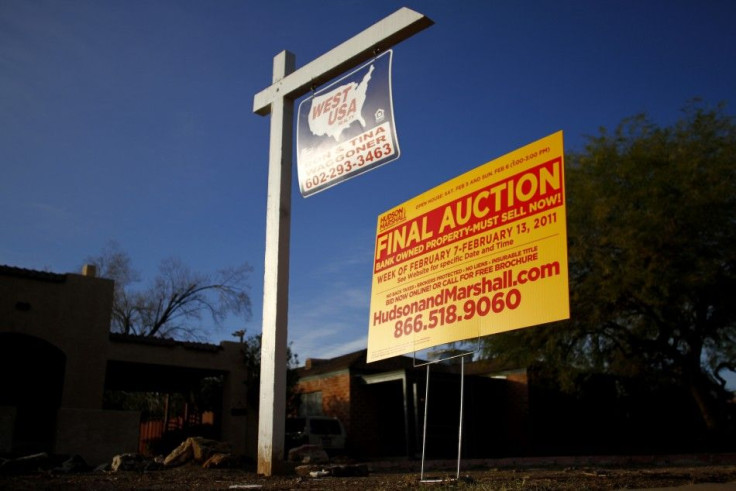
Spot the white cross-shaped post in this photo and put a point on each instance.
(278, 100)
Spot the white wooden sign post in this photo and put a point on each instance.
(278, 100)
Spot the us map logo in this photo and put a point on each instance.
(335, 111)
(347, 128)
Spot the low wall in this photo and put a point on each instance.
(97, 435)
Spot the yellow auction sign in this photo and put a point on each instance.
(483, 253)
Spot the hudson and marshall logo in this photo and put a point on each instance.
(391, 219)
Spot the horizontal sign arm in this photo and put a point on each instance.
(363, 46)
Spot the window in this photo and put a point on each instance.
(311, 403)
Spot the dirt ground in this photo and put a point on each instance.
(559, 474)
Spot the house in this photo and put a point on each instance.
(382, 405)
(57, 359)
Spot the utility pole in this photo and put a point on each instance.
(278, 100)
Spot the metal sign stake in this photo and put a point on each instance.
(462, 356)
(424, 434)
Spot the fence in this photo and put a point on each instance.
(153, 431)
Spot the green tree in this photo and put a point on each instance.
(252, 359)
(652, 252)
(173, 304)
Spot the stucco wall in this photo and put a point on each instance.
(96, 435)
(70, 314)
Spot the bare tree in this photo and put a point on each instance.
(174, 303)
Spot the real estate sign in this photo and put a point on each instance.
(483, 253)
(347, 128)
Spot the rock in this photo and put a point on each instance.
(125, 462)
(152, 465)
(72, 465)
(308, 454)
(349, 470)
(195, 448)
(305, 470)
(26, 464)
(220, 461)
(132, 462)
(203, 448)
(180, 455)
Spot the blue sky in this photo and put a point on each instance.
(132, 121)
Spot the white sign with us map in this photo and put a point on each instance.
(347, 127)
